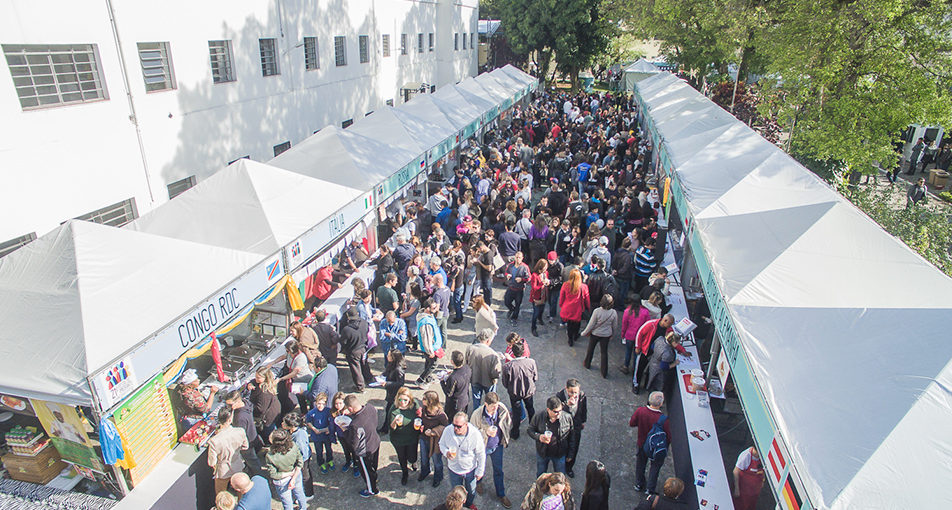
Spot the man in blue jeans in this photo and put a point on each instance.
(465, 453)
(485, 364)
(493, 421)
(552, 429)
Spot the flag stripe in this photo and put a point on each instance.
(791, 495)
(776, 447)
(773, 464)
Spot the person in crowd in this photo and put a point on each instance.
(362, 436)
(668, 500)
(553, 432)
(284, 463)
(663, 358)
(465, 452)
(224, 450)
(519, 376)
(405, 421)
(225, 501)
(387, 299)
(509, 242)
(601, 329)
(325, 380)
(264, 401)
(297, 373)
(644, 339)
(634, 317)
(493, 421)
(307, 340)
(254, 492)
(511, 339)
(623, 269)
(575, 403)
(339, 409)
(485, 316)
(645, 262)
(195, 405)
(654, 303)
(517, 276)
(243, 417)
(538, 286)
(353, 342)
(551, 491)
(485, 364)
(748, 479)
(433, 421)
(485, 267)
(328, 339)
(916, 193)
(456, 385)
(645, 418)
(597, 486)
(394, 379)
(454, 500)
(321, 432)
(294, 424)
(431, 339)
(393, 333)
(554, 274)
(412, 300)
(442, 296)
(573, 301)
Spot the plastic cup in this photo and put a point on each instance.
(399, 419)
(452, 453)
(493, 430)
(417, 423)
(548, 435)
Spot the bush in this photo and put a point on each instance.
(946, 195)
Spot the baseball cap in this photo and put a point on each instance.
(552, 255)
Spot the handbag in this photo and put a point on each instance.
(439, 353)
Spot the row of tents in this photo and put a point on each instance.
(836, 332)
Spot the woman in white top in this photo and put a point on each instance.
(653, 304)
(601, 328)
(298, 375)
(485, 316)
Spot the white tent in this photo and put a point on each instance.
(494, 95)
(466, 101)
(514, 73)
(639, 70)
(437, 111)
(842, 326)
(81, 296)
(248, 206)
(402, 129)
(349, 159)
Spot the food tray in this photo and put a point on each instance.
(36, 438)
(31, 452)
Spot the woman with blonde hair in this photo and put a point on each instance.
(404, 422)
(485, 316)
(264, 400)
(551, 491)
(573, 300)
(653, 304)
(225, 501)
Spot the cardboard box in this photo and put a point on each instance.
(42, 468)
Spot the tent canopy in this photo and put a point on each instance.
(472, 86)
(474, 106)
(348, 159)
(841, 323)
(81, 296)
(437, 111)
(641, 69)
(248, 206)
(401, 129)
(515, 73)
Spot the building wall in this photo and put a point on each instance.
(66, 161)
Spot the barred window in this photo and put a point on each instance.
(115, 215)
(311, 59)
(281, 147)
(456, 42)
(472, 40)
(347, 123)
(269, 57)
(50, 75)
(420, 43)
(432, 43)
(389, 102)
(364, 43)
(157, 71)
(464, 41)
(340, 51)
(403, 44)
(223, 68)
(386, 45)
(181, 186)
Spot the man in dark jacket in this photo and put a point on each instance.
(599, 283)
(362, 437)
(552, 431)
(353, 343)
(328, 340)
(623, 269)
(456, 385)
(575, 403)
(244, 418)
(519, 376)
(555, 284)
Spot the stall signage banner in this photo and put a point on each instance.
(189, 330)
(319, 237)
(507, 103)
(396, 181)
(442, 148)
(116, 382)
(471, 129)
(67, 433)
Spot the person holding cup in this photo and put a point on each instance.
(493, 421)
(404, 423)
(553, 431)
(465, 453)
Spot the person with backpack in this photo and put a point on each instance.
(653, 439)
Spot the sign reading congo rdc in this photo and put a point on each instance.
(112, 385)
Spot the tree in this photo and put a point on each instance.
(621, 49)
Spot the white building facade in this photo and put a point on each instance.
(110, 107)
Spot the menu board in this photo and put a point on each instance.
(147, 423)
(268, 323)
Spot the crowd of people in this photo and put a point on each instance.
(556, 205)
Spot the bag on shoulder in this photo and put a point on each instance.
(656, 444)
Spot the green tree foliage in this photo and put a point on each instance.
(574, 30)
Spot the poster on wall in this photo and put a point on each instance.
(119, 380)
(65, 428)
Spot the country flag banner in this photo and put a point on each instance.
(791, 496)
(777, 458)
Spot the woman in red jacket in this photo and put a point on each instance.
(573, 300)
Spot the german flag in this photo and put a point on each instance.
(790, 494)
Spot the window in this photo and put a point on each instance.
(239, 159)
(420, 43)
(222, 66)
(368, 113)
(311, 60)
(340, 51)
(364, 44)
(386, 45)
(8, 247)
(464, 41)
(456, 41)
(472, 40)
(269, 57)
(156, 66)
(431, 43)
(432, 89)
(347, 123)
(49, 75)
(178, 187)
(403, 44)
(115, 215)
(281, 147)
(389, 102)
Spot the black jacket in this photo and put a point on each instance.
(327, 340)
(598, 498)
(623, 263)
(244, 417)
(456, 387)
(562, 433)
(581, 411)
(361, 434)
(396, 377)
(353, 336)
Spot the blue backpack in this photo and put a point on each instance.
(656, 444)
